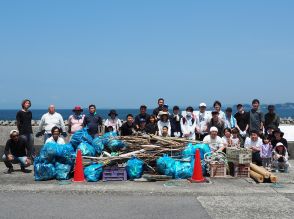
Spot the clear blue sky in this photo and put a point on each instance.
(124, 53)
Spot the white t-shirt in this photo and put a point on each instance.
(59, 140)
(214, 144)
(48, 121)
(203, 120)
(115, 123)
(250, 143)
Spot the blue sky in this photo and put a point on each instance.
(120, 54)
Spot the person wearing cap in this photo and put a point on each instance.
(142, 115)
(217, 107)
(160, 103)
(215, 121)
(164, 121)
(242, 119)
(280, 158)
(213, 140)
(278, 136)
(17, 150)
(48, 121)
(271, 118)
(142, 126)
(175, 122)
(93, 122)
(230, 120)
(256, 118)
(254, 143)
(189, 124)
(24, 124)
(203, 118)
(75, 121)
(113, 121)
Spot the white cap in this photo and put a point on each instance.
(213, 129)
(279, 144)
(202, 105)
(13, 131)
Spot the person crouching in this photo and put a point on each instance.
(280, 158)
(17, 150)
(55, 131)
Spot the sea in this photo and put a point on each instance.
(9, 114)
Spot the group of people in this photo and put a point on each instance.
(219, 129)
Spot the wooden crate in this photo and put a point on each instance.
(242, 170)
(239, 155)
(218, 170)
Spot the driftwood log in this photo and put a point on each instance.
(256, 176)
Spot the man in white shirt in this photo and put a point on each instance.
(215, 142)
(48, 121)
(254, 143)
(203, 119)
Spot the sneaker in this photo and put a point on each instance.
(10, 170)
(24, 170)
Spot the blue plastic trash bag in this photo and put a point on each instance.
(48, 152)
(64, 150)
(43, 171)
(108, 136)
(165, 165)
(115, 145)
(62, 171)
(86, 149)
(79, 136)
(134, 168)
(98, 145)
(183, 170)
(93, 172)
(190, 150)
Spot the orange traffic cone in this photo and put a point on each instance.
(78, 169)
(197, 174)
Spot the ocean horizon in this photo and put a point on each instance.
(10, 114)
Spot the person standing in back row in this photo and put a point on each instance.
(242, 118)
(271, 119)
(48, 121)
(93, 122)
(156, 111)
(24, 124)
(256, 118)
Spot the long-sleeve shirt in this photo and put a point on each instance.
(161, 124)
(48, 121)
(188, 126)
(114, 123)
(19, 148)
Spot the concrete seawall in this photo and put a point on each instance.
(4, 136)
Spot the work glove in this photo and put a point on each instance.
(39, 134)
(64, 134)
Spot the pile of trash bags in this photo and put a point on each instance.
(183, 168)
(54, 162)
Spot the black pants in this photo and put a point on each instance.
(200, 137)
(256, 158)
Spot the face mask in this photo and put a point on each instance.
(189, 114)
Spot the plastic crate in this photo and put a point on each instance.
(217, 170)
(114, 173)
(242, 170)
(239, 155)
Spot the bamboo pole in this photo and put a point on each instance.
(273, 178)
(256, 176)
(260, 170)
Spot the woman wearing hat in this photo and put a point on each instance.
(75, 121)
(113, 121)
(280, 158)
(278, 137)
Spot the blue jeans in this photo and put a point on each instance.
(16, 160)
(30, 140)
